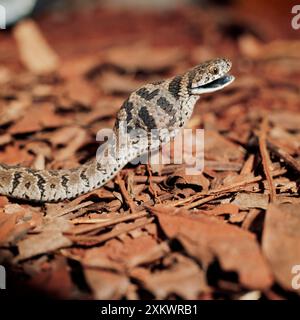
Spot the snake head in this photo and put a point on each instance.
(209, 76)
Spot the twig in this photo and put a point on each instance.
(204, 200)
(226, 189)
(151, 187)
(125, 194)
(248, 165)
(93, 240)
(262, 136)
(217, 191)
(250, 217)
(65, 211)
(109, 223)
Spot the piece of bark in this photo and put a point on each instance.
(49, 240)
(122, 255)
(106, 285)
(206, 238)
(247, 200)
(280, 243)
(184, 278)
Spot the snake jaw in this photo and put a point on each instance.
(209, 76)
(214, 85)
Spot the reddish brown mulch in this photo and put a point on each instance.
(231, 232)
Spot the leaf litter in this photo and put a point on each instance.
(230, 232)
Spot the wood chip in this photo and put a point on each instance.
(35, 52)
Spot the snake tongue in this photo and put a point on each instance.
(215, 85)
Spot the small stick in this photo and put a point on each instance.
(262, 138)
(204, 200)
(109, 235)
(111, 222)
(65, 211)
(226, 189)
(125, 194)
(152, 189)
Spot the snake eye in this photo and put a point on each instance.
(215, 70)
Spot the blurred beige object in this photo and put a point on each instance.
(35, 53)
(252, 295)
(253, 48)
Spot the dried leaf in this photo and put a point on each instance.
(106, 285)
(50, 239)
(206, 238)
(184, 278)
(280, 243)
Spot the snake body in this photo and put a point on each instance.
(155, 106)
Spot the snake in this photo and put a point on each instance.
(160, 106)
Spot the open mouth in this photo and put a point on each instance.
(214, 85)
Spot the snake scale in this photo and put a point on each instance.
(155, 106)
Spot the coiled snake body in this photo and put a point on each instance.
(165, 104)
